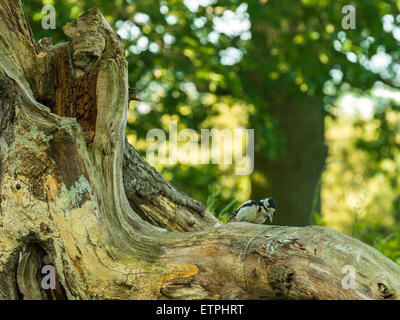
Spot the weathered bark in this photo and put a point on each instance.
(63, 198)
(157, 201)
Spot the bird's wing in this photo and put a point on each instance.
(233, 216)
(248, 213)
(245, 204)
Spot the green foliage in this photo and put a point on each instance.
(222, 208)
(376, 234)
(383, 147)
(317, 218)
(389, 245)
(360, 184)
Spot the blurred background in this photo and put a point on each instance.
(324, 102)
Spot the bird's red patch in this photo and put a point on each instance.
(234, 219)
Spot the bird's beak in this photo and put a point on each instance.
(270, 215)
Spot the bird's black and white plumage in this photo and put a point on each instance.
(255, 211)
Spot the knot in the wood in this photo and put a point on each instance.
(384, 291)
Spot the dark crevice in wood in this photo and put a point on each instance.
(76, 97)
(8, 102)
(66, 93)
(384, 291)
(64, 84)
(86, 102)
(20, 296)
(29, 275)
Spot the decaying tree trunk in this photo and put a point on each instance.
(75, 193)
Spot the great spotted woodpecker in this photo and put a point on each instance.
(255, 211)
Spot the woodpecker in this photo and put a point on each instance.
(255, 211)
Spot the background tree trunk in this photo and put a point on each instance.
(292, 178)
(291, 174)
(64, 201)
